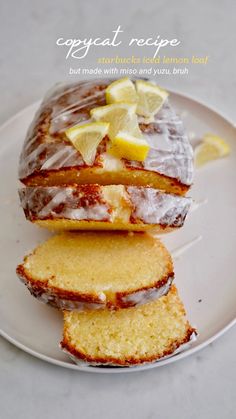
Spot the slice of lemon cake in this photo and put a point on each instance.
(93, 207)
(70, 137)
(90, 270)
(130, 336)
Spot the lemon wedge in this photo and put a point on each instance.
(211, 148)
(121, 116)
(150, 98)
(125, 145)
(122, 90)
(86, 138)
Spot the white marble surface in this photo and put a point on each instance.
(201, 386)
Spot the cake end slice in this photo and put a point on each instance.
(130, 336)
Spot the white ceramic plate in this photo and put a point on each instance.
(205, 273)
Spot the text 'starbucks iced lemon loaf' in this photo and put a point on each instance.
(49, 159)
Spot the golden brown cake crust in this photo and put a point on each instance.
(71, 300)
(58, 176)
(129, 361)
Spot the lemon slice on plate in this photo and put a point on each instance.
(122, 90)
(150, 98)
(129, 147)
(121, 116)
(86, 138)
(211, 148)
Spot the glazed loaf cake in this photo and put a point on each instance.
(116, 207)
(115, 286)
(49, 159)
(130, 336)
(90, 270)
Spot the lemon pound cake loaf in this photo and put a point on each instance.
(89, 270)
(116, 207)
(79, 136)
(130, 336)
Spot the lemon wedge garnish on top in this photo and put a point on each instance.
(125, 145)
(86, 138)
(211, 148)
(122, 90)
(121, 117)
(150, 98)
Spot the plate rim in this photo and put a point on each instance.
(91, 369)
(138, 368)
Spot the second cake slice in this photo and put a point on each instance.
(90, 270)
(111, 207)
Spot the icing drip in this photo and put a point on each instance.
(145, 296)
(83, 203)
(48, 296)
(171, 153)
(155, 207)
(197, 204)
(176, 253)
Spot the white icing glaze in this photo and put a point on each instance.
(145, 205)
(145, 296)
(51, 298)
(48, 296)
(97, 212)
(32, 199)
(56, 156)
(70, 305)
(65, 116)
(170, 154)
(155, 207)
(111, 163)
